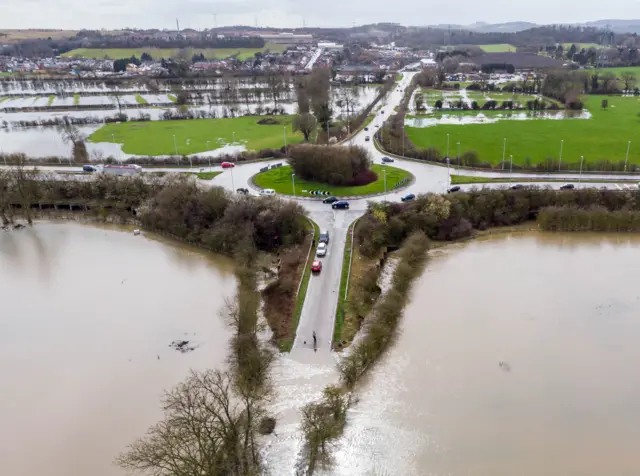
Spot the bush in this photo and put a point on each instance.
(363, 178)
(336, 166)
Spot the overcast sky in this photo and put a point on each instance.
(198, 14)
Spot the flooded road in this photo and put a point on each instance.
(86, 318)
(517, 355)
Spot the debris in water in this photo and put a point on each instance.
(183, 346)
(504, 366)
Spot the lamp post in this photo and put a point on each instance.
(458, 156)
(626, 159)
(504, 150)
(581, 161)
(209, 156)
(284, 133)
(384, 173)
(511, 166)
(175, 145)
(190, 161)
(560, 164)
(234, 137)
(447, 145)
(403, 140)
(293, 183)
(448, 174)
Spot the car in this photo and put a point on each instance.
(322, 249)
(408, 197)
(330, 200)
(324, 237)
(316, 266)
(454, 189)
(343, 205)
(366, 128)
(517, 186)
(88, 168)
(267, 192)
(387, 160)
(227, 165)
(367, 138)
(382, 112)
(377, 125)
(243, 190)
(568, 186)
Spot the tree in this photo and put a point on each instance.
(146, 58)
(305, 123)
(438, 104)
(571, 51)
(348, 99)
(629, 79)
(6, 182)
(71, 134)
(26, 186)
(205, 431)
(419, 102)
(604, 104)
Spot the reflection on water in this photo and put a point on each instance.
(86, 317)
(560, 312)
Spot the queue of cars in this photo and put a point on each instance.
(321, 251)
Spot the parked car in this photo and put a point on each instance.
(366, 128)
(517, 186)
(408, 197)
(367, 139)
(387, 160)
(340, 205)
(382, 112)
(322, 249)
(316, 266)
(324, 237)
(243, 190)
(454, 189)
(330, 200)
(88, 168)
(568, 186)
(267, 192)
(227, 165)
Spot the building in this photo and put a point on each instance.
(327, 46)
(286, 38)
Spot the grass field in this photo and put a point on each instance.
(604, 136)
(158, 53)
(280, 180)
(76, 99)
(465, 179)
(207, 175)
(140, 99)
(52, 98)
(499, 48)
(13, 36)
(191, 136)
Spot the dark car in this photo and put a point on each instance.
(454, 189)
(408, 197)
(366, 128)
(387, 160)
(340, 205)
(243, 190)
(330, 200)
(367, 138)
(517, 186)
(88, 168)
(568, 186)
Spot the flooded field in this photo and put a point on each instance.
(466, 117)
(87, 316)
(516, 356)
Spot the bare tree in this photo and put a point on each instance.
(629, 78)
(277, 84)
(6, 182)
(26, 186)
(71, 134)
(348, 100)
(206, 430)
(305, 123)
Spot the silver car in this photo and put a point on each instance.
(322, 249)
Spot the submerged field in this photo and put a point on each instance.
(158, 53)
(191, 136)
(603, 136)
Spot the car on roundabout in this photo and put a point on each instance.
(330, 200)
(453, 189)
(409, 196)
(340, 205)
(227, 165)
(316, 266)
(387, 160)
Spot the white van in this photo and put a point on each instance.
(267, 192)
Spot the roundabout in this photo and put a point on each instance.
(285, 182)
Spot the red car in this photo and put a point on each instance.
(227, 165)
(316, 266)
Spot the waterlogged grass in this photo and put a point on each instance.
(604, 136)
(76, 99)
(346, 263)
(140, 99)
(207, 175)
(166, 53)
(52, 98)
(191, 136)
(172, 98)
(3, 98)
(281, 181)
(285, 345)
(498, 48)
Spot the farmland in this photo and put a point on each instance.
(166, 53)
(603, 136)
(499, 48)
(156, 138)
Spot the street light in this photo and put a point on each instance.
(504, 150)
(627, 157)
(293, 183)
(384, 173)
(402, 140)
(448, 173)
(458, 156)
(209, 155)
(447, 145)
(560, 165)
(581, 160)
(284, 133)
(190, 161)
(234, 137)
(511, 166)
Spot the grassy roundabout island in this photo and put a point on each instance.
(281, 181)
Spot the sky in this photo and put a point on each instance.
(199, 14)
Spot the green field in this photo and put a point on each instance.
(157, 137)
(140, 99)
(158, 53)
(76, 99)
(604, 136)
(280, 180)
(499, 48)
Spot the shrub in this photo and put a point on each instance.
(333, 165)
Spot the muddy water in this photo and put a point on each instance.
(562, 315)
(86, 317)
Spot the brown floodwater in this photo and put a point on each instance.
(517, 356)
(86, 318)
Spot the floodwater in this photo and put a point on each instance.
(516, 356)
(481, 118)
(86, 318)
